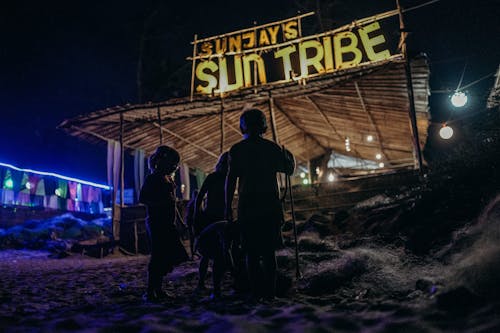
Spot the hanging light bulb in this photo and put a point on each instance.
(381, 165)
(331, 177)
(302, 175)
(369, 138)
(446, 132)
(458, 99)
(378, 156)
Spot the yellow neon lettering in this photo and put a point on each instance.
(221, 45)
(327, 47)
(370, 43)
(249, 40)
(248, 74)
(349, 48)
(314, 61)
(273, 32)
(224, 78)
(263, 38)
(287, 64)
(203, 76)
(290, 30)
(235, 43)
(206, 49)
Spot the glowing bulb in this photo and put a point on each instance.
(381, 165)
(378, 156)
(318, 170)
(459, 99)
(331, 177)
(369, 138)
(9, 183)
(305, 181)
(347, 144)
(58, 192)
(446, 132)
(28, 185)
(302, 175)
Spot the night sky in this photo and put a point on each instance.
(60, 59)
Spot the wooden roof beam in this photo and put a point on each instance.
(306, 134)
(370, 118)
(180, 137)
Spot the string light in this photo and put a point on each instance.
(347, 144)
(331, 177)
(446, 132)
(459, 99)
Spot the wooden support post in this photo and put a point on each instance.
(273, 119)
(193, 66)
(409, 85)
(222, 134)
(122, 163)
(159, 122)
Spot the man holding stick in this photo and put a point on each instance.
(254, 162)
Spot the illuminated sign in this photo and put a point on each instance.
(277, 52)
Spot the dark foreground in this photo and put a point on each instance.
(366, 270)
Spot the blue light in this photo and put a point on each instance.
(43, 173)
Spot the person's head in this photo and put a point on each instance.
(253, 122)
(222, 163)
(164, 160)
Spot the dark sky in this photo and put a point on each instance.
(59, 59)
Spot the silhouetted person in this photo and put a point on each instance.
(214, 245)
(211, 248)
(255, 162)
(214, 188)
(158, 194)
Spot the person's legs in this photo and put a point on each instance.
(217, 273)
(269, 270)
(202, 272)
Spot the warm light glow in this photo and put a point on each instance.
(331, 177)
(302, 175)
(347, 144)
(446, 132)
(459, 99)
(318, 170)
(369, 138)
(305, 181)
(381, 165)
(378, 156)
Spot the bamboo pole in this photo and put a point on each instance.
(122, 163)
(193, 67)
(222, 134)
(411, 97)
(272, 117)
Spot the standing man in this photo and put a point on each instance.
(255, 162)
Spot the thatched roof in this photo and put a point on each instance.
(311, 118)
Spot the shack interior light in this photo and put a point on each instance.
(381, 165)
(446, 132)
(378, 156)
(347, 144)
(331, 177)
(305, 181)
(369, 138)
(302, 175)
(459, 99)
